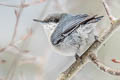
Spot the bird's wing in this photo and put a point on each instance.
(69, 24)
(75, 24)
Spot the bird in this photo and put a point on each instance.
(71, 35)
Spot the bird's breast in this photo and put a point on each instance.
(80, 39)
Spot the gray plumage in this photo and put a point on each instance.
(74, 33)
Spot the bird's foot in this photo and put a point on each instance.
(98, 39)
(77, 56)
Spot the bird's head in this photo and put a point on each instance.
(50, 22)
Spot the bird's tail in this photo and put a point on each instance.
(95, 19)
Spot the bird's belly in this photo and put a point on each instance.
(75, 42)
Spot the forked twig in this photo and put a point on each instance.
(18, 13)
(108, 12)
(14, 43)
(102, 67)
(90, 53)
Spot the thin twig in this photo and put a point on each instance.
(102, 67)
(24, 5)
(9, 5)
(13, 67)
(13, 43)
(112, 18)
(18, 14)
(34, 2)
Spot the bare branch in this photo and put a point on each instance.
(33, 3)
(18, 14)
(29, 34)
(13, 67)
(102, 67)
(15, 63)
(115, 24)
(77, 65)
(74, 68)
(13, 43)
(112, 18)
(24, 5)
(9, 5)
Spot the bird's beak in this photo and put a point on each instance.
(36, 20)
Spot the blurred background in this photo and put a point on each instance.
(40, 62)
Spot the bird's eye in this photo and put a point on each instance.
(54, 20)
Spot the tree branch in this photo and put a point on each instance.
(24, 4)
(102, 67)
(18, 15)
(13, 43)
(78, 64)
(108, 11)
